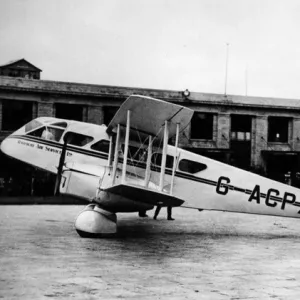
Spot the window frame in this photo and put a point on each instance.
(67, 136)
(194, 136)
(274, 120)
(46, 127)
(102, 140)
(169, 160)
(204, 166)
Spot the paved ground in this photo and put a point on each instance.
(201, 255)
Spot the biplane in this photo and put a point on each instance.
(129, 166)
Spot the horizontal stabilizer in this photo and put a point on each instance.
(148, 116)
(144, 195)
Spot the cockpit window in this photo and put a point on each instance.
(78, 139)
(190, 166)
(157, 158)
(102, 146)
(48, 133)
(60, 124)
(32, 125)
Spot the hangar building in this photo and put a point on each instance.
(258, 134)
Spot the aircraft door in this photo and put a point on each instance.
(82, 181)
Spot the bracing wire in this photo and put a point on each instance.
(135, 158)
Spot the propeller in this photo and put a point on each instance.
(61, 164)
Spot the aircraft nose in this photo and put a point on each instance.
(5, 145)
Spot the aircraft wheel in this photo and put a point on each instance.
(94, 222)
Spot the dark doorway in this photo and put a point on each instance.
(240, 154)
(279, 164)
(109, 112)
(15, 114)
(240, 143)
(241, 127)
(69, 111)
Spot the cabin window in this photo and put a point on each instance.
(202, 126)
(60, 124)
(157, 158)
(102, 146)
(190, 166)
(48, 133)
(78, 139)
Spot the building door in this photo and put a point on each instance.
(240, 154)
(280, 164)
(240, 142)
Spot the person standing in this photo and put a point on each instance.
(169, 212)
(142, 214)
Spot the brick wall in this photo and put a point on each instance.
(259, 139)
(45, 109)
(296, 134)
(95, 115)
(223, 125)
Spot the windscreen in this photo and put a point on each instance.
(32, 125)
(48, 133)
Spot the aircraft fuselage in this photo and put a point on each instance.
(215, 186)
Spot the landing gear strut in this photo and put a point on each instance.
(94, 222)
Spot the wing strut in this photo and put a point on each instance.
(116, 157)
(175, 159)
(164, 156)
(110, 151)
(126, 147)
(140, 119)
(148, 167)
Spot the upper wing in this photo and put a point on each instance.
(148, 116)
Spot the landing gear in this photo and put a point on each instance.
(94, 222)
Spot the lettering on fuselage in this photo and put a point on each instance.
(272, 197)
(50, 149)
(221, 188)
(43, 148)
(25, 143)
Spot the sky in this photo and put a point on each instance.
(159, 44)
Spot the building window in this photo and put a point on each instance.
(278, 130)
(202, 126)
(15, 114)
(241, 127)
(69, 111)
